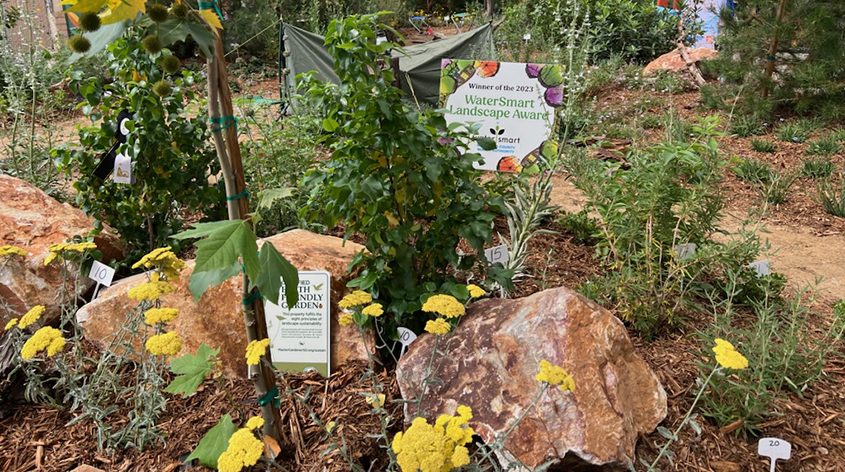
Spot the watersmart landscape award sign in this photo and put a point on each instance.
(513, 102)
(299, 335)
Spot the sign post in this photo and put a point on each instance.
(300, 335)
(102, 274)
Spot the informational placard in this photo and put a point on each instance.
(513, 102)
(300, 335)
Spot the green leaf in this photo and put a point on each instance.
(175, 29)
(202, 281)
(224, 242)
(99, 40)
(266, 198)
(214, 442)
(274, 268)
(330, 125)
(191, 370)
(487, 144)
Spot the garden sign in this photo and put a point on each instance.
(299, 335)
(513, 102)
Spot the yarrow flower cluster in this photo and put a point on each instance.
(11, 324)
(47, 339)
(345, 319)
(167, 344)
(244, 449)
(728, 357)
(356, 298)
(31, 316)
(256, 349)
(374, 310)
(154, 316)
(61, 248)
(440, 447)
(439, 326)
(254, 423)
(150, 291)
(475, 291)
(445, 305)
(555, 375)
(164, 261)
(9, 250)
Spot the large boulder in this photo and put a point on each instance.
(217, 318)
(673, 62)
(489, 364)
(32, 220)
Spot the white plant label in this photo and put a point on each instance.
(122, 169)
(774, 449)
(760, 267)
(526, 37)
(124, 130)
(101, 273)
(685, 251)
(497, 254)
(406, 337)
(300, 335)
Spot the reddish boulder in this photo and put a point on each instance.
(673, 62)
(489, 364)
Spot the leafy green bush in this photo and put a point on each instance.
(824, 146)
(817, 168)
(746, 125)
(776, 190)
(398, 177)
(753, 171)
(582, 228)
(762, 145)
(795, 131)
(171, 153)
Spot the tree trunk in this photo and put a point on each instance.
(773, 47)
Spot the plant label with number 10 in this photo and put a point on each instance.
(774, 448)
(101, 273)
(406, 337)
(497, 254)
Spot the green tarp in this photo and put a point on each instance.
(419, 64)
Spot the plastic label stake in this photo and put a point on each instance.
(774, 448)
(102, 274)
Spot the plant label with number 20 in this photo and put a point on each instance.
(774, 448)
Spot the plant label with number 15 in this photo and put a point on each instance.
(497, 254)
(774, 448)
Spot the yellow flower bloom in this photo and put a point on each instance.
(45, 339)
(160, 315)
(475, 291)
(445, 305)
(356, 298)
(244, 450)
(11, 324)
(31, 316)
(438, 326)
(434, 448)
(376, 400)
(150, 291)
(555, 375)
(60, 248)
(374, 310)
(254, 351)
(728, 357)
(330, 426)
(256, 422)
(163, 260)
(9, 250)
(345, 319)
(167, 344)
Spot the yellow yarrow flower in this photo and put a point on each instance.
(31, 316)
(356, 298)
(256, 422)
(9, 250)
(47, 339)
(728, 357)
(160, 315)
(475, 291)
(374, 310)
(555, 375)
(60, 248)
(439, 326)
(167, 344)
(445, 305)
(376, 400)
(244, 450)
(163, 260)
(256, 349)
(345, 319)
(330, 426)
(11, 324)
(150, 291)
(440, 447)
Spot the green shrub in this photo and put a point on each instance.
(650, 122)
(832, 197)
(171, 153)
(398, 177)
(753, 171)
(795, 131)
(762, 145)
(825, 146)
(583, 229)
(746, 125)
(817, 168)
(776, 190)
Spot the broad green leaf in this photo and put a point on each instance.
(330, 124)
(274, 268)
(191, 370)
(266, 198)
(99, 40)
(122, 10)
(486, 143)
(202, 230)
(224, 242)
(174, 29)
(214, 442)
(202, 281)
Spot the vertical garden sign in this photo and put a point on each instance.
(514, 103)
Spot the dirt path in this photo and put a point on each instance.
(796, 253)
